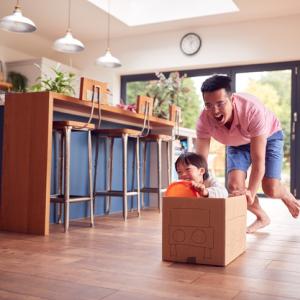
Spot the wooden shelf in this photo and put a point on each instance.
(5, 85)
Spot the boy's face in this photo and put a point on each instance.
(190, 172)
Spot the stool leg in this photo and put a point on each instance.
(168, 162)
(144, 149)
(109, 174)
(125, 145)
(90, 177)
(159, 173)
(95, 171)
(61, 172)
(56, 181)
(137, 153)
(67, 131)
(133, 176)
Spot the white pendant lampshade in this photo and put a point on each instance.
(108, 60)
(17, 22)
(68, 44)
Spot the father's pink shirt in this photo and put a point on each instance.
(251, 119)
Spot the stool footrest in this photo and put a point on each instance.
(115, 193)
(73, 198)
(152, 190)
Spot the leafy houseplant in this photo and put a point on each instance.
(18, 81)
(61, 83)
(166, 91)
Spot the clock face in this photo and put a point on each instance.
(190, 43)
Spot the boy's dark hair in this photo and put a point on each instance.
(216, 82)
(191, 158)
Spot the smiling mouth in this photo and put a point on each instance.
(219, 118)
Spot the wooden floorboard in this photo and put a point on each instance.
(122, 260)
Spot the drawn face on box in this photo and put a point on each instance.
(193, 229)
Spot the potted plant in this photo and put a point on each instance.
(165, 92)
(18, 81)
(60, 83)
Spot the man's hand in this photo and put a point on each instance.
(250, 198)
(200, 188)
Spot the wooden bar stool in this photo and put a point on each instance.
(100, 89)
(158, 139)
(110, 135)
(64, 197)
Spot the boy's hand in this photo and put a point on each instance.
(200, 188)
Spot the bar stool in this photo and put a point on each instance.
(158, 139)
(63, 197)
(100, 91)
(110, 135)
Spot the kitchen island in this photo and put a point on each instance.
(27, 152)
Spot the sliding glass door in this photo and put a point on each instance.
(273, 88)
(278, 87)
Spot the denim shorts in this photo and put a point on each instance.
(238, 157)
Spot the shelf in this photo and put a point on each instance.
(5, 85)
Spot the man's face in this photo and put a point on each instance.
(219, 106)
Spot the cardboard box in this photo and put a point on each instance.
(207, 231)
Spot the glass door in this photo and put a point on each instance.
(273, 88)
(216, 157)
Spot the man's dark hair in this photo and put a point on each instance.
(191, 158)
(216, 82)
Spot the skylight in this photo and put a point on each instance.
(142, 12)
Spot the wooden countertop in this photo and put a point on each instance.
(75, 106)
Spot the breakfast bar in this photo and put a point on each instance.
(27, 152)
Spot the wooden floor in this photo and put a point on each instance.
(117, 260)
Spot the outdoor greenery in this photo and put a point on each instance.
(174, 89)
(61, 82)
(274, 90)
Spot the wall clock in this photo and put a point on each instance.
(190, 43)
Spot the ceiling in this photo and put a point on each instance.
(89, 24)
(142, 12)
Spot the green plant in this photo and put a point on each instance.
(166, 91)
(61, 83)
(18, 80)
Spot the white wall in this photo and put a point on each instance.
(261, 41)
(8, 54)
(233, 44)
(42, 67)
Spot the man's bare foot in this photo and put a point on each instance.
(293, 206)
(258, 224)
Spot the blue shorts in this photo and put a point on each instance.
(238, 157)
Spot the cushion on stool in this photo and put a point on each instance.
(115, 132)
(155, 137)
(74, 124)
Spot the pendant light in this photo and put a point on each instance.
(17, 22)
(108, 60)
(68, 44)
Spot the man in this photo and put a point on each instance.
(253, 135)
